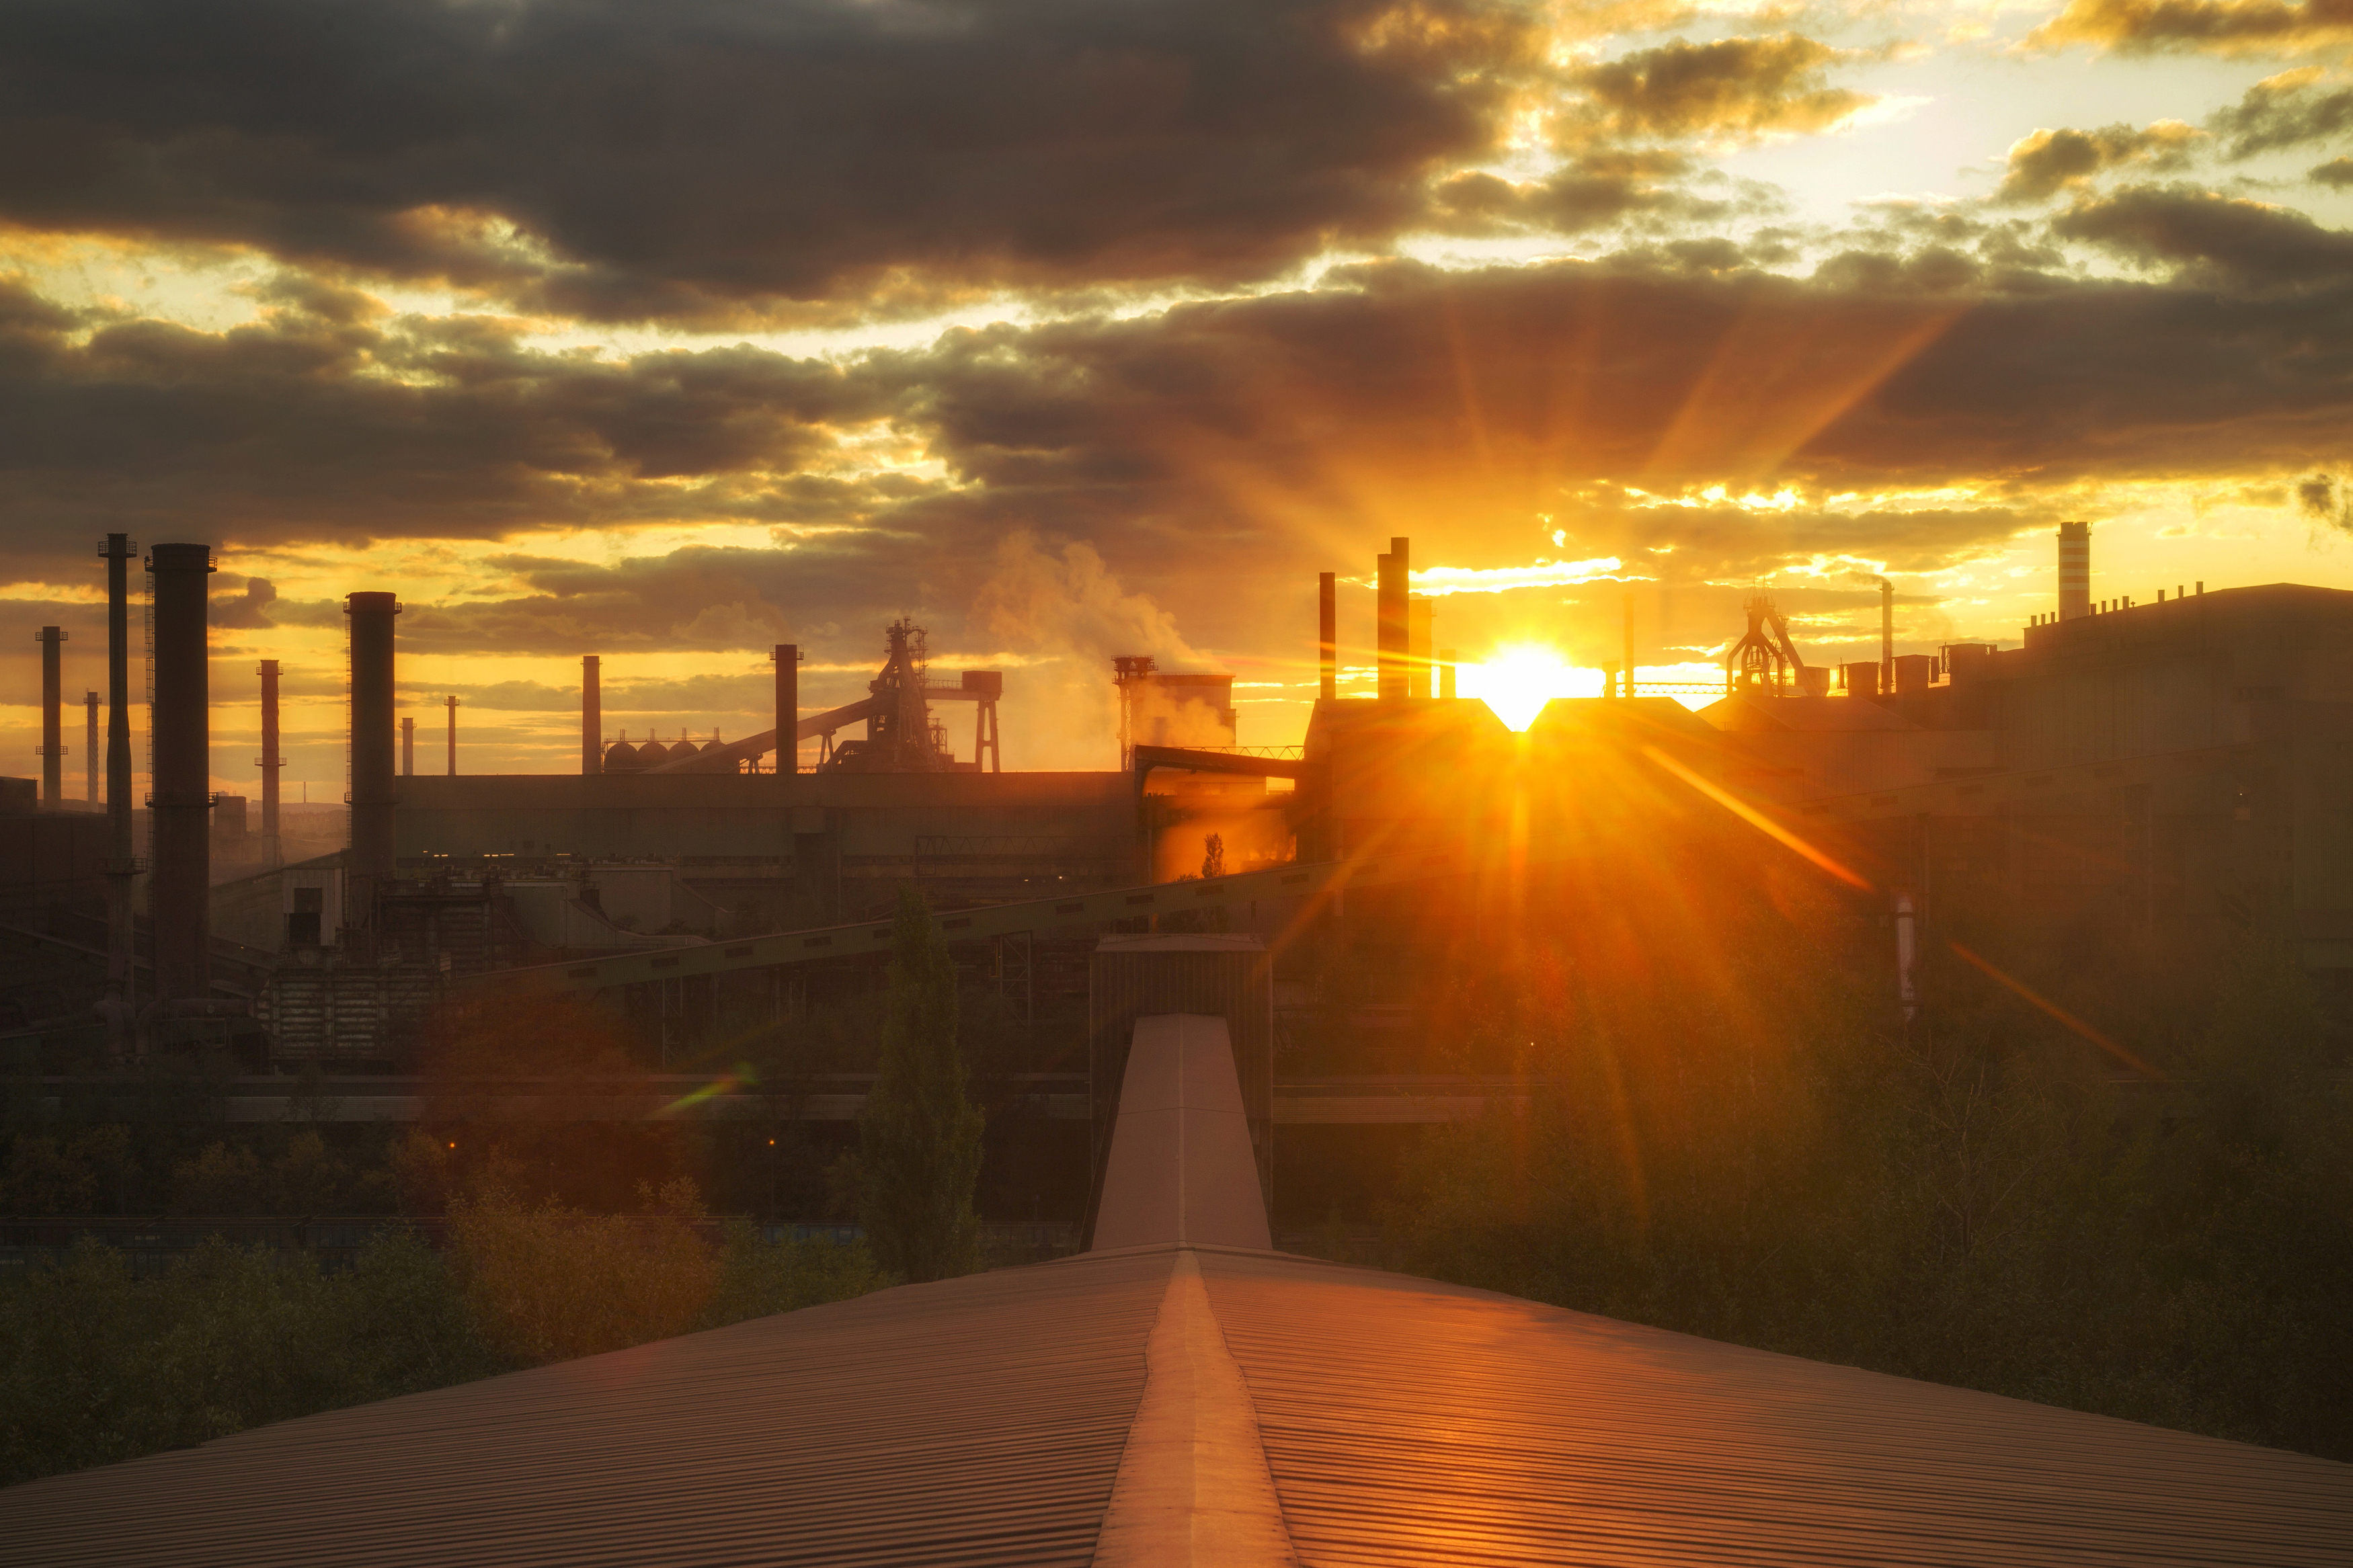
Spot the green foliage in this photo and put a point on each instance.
(96, 1366)
(304, 1178)
(1762, 1154)
(72, 1172)
(920, 1137)
(758, 1278)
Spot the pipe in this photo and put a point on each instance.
(1395, 574)
(408, 747)
(787, 657)
(592, 714)
(122, 857)
(90, 745)
(373, 792)
(53, 732)
(179, 805)
(272, 761)
(453, 736)
(1327, 634)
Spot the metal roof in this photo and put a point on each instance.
(986, 1420)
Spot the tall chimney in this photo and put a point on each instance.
(407, 746)
(272, 761)
(373, 792)
(53, 728)
(121, 859)
(1446, 674)
(2074, 569)
(788, 657)
(1327, 634)
(453, 736)
(179, 803)
(592, 714)
(1887, 638)
(1396, 575)
(89, 743)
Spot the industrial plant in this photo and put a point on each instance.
(2170, 764)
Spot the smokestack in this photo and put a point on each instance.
(89, 743)
(53, 728)
(453, 737)
(272, 760)
(1327, 634)
(1446, 674)
(1887, 638)
(592, 714)
(788, 657)
(408, 747)
(2074, 569)
(179, 805)
(122, 861)
(373, 792)
(1396, 575)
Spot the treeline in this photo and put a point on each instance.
(2116, 1176)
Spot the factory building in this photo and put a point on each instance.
(2176, 762)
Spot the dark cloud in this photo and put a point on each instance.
(250, 611)
(2042, 165)
(2336, 173)
(2218, 27)
(2285, 111)
(2323, 498)
(1214, 447)
(300, 427)
(2242, 244)
(1725, 90)
(687, 159)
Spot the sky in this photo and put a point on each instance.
(1078, 328)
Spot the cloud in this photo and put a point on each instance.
(2324, 498)
(2242, 244)
(1202, 462)
(2215, 26)
(2045, 162)
(2337, 173)
(2285, 111)
(704, 159)
(251, 611)
(1725, 90)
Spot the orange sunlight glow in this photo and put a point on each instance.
(1517, 681)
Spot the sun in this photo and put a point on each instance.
(1517, 681)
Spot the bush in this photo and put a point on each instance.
(96, 1366)
(548, 1283)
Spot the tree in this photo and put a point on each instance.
(920, 1137)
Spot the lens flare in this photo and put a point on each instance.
(1518, 682)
